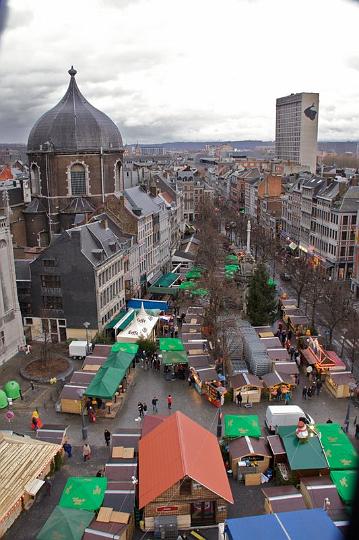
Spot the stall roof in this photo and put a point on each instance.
(120, 471)
(94, 361)
(274, 378)
(53, 433)
(166, 280)
(97, 530)
(345, 482)
(320, 487)
(286, 368)
(276, 445)
(236, 425)
(83, 492)
(175, 449)
(125, 347)
(199, 361)
(207, 374)
(137, 303)
(284, 498)
(121, 360)
(82, 377)
(302, 456)
(197, 310)
(245, 446)
(72, 391)
(173, 291)
(106, 382)
(298, 525)
(174, 357)
(271, 342)
(69, 523)
(339, 450)
(171, 344)
(298, 319)
(278, 354)
(189, 336)
(101, 350)
(245, 379)
(121, 314)
(343, 377)
(141, 327)
(120, 502)
(127, 438)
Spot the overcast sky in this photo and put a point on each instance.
(176, 70)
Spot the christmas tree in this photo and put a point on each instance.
(261, 299)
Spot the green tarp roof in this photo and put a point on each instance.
(236, 425)
(171, 344)
(123, 346)
(200, 292)
(65, 524)
(231, 267)
(193, 274)
(232, 258)
(186, 285)
(83, 492)
(120, 360)
(339, 450)
(302, 455)
(116, 319)
(163, 290)
(345, 482)
(105, 383)
(174, 357)
(166, 280)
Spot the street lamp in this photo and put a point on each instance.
(80, 393)
(86, 325)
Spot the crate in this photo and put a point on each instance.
(252, 479)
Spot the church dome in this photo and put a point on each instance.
(74, 125)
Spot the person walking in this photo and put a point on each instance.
(140, 409)
(86, 452)
(357, 431)
(48, 485)
(176, 331)
(107, 435)
(154, 404)
(67, 448)
(304, 392)
(291, 352)
(279, 394)
(319, 385)
(286, 398)
(239, 399)
(169, 402)
(144, 408)
(310, 392)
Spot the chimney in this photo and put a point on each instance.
(153, 190)
(137, 211)
(104, 223)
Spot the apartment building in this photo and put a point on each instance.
(297, 129)
(194, 190)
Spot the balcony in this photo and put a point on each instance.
(51, 291)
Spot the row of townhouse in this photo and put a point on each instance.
(83, 278)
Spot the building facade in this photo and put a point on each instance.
(297, 129)
(11, 329)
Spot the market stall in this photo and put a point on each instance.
(277, 449)
(341, 384)
(240, 425)
(345, 482)
(69, 523)
(83, 493)
(71, 398)
(296, 321)
(278, 354)
(199, 361)
(275, 381)
(142, 326)
(271, 342)
(171, 344)
(315, 355)
(282, 499)
(190, 336)
(317, 489)
(248, 385)
(206, 382)
(339, 451)
(248, 452)
(175, 364)
(93, 363)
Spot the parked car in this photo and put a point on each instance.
(284, 415)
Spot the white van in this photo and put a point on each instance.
(284, 415)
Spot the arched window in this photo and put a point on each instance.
(78, 180)
(35, 179)
(118, 177)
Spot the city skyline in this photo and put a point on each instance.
(180, 72)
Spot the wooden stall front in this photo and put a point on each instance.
(274, 380)
(282, 499)
(340, 384)
(324, 361)
(248, 385)
(71, 400)
(250, 451)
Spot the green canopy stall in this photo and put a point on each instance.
(339, 451)
(171, 344)
(121, 360)
(345, 482)
(83, 492)
(125, 347)
(302, 456)
(174, 357)
(193, 274)
(105, 383)
(231, 267)
(65, 523)
(200, 292)
(187, 285)
(232, 258)
(236, 425)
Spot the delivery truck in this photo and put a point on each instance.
(284, 415)
(78, 349)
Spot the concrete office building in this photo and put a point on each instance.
(297, 129)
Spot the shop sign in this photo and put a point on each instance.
(166, 508)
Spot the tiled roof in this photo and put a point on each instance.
(6, 173)
(177, 448)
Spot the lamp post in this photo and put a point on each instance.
(80, 393)
(86, 325)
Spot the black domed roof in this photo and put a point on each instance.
(74, 125)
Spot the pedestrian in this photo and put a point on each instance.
(144, 408)
(289, 335)
(319, 385)
(176, 331)
(32, 385)
(86, 452)
(100, 473)
(283, 338)
(329, 421)
(357, 431)
(310, 392)
(154, 404)
(279, 394)
(172, 332)
(67, 448)
(48, 485)
(286, 398)
(309, 371)
(169, 402)
(107, 435)
(239, 399)
(291, 352)
(297, 358)
(304, 392)
(204, 346)
(140, 409)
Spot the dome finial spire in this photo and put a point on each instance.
(72, 71)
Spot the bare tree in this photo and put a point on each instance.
(336, 307)
(301, 273)
(314, 291)
(351, 333)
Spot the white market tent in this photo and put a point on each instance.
(143, 326)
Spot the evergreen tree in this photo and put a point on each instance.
(261, 299)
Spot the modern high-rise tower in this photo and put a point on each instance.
(296, 129)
